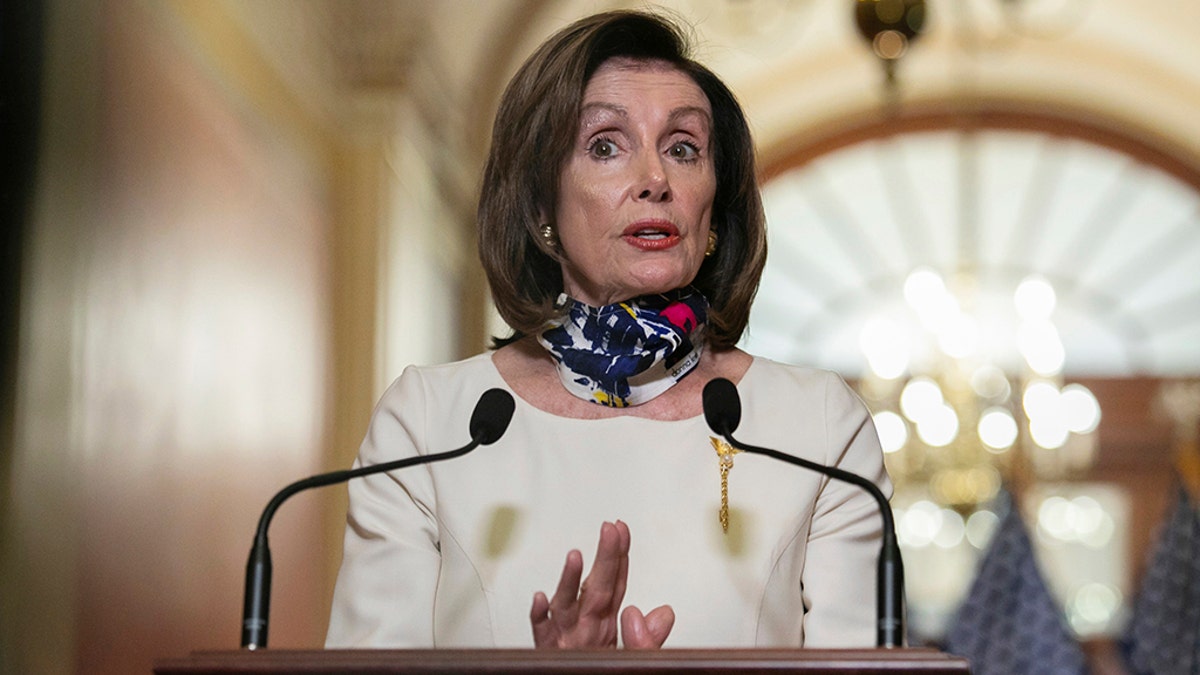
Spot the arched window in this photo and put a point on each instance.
(986, 199)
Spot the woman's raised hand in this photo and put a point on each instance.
(587, 615)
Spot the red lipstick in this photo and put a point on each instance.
(651, 235)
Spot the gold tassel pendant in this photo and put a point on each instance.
(725, 453)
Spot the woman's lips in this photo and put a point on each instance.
(651, 235)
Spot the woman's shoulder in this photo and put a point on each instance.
(472, 366)
(791, 381)
(477, 366)
(468, 378)
(768, 369)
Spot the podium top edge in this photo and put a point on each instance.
(582, 661)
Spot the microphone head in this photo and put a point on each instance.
(722, 406)
(492, 415)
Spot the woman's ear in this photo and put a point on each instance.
(546, 229)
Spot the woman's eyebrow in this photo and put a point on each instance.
(591, 111)
(690, 111)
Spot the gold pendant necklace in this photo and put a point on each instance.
(725, 453)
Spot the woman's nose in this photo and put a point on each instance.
(652, 182)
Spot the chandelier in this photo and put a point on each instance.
(965, 382)
(965, 402)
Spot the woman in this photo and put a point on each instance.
(622, 232)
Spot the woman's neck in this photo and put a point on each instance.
(530, 371)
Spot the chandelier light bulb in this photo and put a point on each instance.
(1041, 399)
(885, 347)
(920, 397)
(1049, 431)
(997, 429)
(920, 524)
(1035, 298)
(990, 382)
(1039, 343)
(939, 427)
(888, 365)
(936, 307)
(952, 531)
(925, 291)
(893, 432)
(1081, 409)
(959, 337)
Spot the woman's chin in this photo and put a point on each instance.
(650, 289)
(660, 280)
(639, 280)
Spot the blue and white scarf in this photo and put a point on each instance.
(629, 352)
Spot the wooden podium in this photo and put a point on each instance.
(569, 662)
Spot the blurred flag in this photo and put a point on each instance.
(1163, 637)
(1010, 624)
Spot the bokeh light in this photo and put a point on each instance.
(980, 527)
(1034, 298)
(920, 398)
(893, 431)
(1081, 409)
(939, 426)
(886, 347)
(997, 429)
(1039, 343)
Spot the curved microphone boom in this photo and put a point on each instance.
(723, 412)
(488, 423)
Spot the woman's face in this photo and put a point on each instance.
(636, 192)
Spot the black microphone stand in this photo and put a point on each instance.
(488, 423)
(889, 587)
(890, 574)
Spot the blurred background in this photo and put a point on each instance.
(229, 224)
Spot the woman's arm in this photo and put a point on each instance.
(838, 582)
(385, 588)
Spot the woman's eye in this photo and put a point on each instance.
(684, 151)
(603, 148)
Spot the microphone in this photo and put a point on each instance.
(723, 412)
(488, 423)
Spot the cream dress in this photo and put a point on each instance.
(450, 554)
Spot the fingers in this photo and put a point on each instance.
(539, 619)
(634, 632)
(563, 605)
(649, 631)
(623, 572)
(604, 589)
(659, 623)
(583, 615)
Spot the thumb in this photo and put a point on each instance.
(659, 623)
(640, 631)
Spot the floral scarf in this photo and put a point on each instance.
(629, 352)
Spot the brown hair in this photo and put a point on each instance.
(534, 128)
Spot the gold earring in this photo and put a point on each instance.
(712, 243)
(547, 232)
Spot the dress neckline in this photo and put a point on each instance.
(522, 401)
